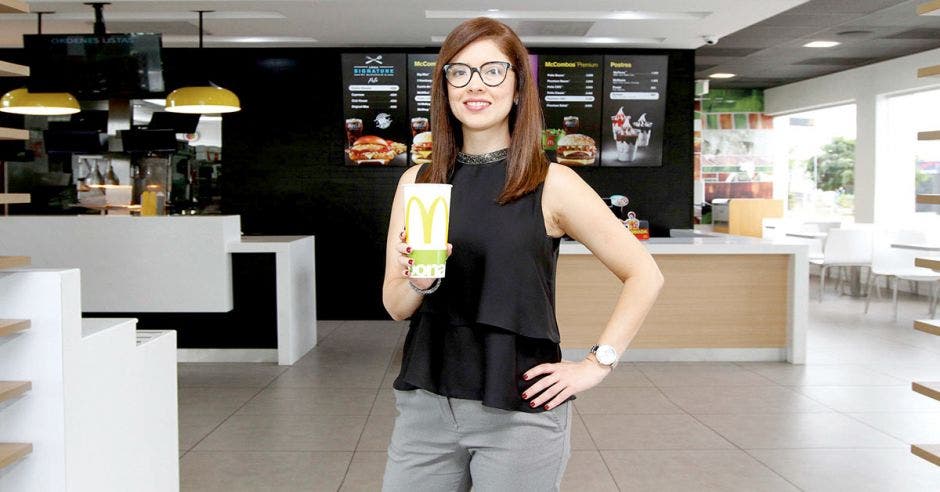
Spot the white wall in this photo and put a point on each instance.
(879, 178)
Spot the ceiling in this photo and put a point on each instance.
(662, 23)
(759, 40)
(771, 53)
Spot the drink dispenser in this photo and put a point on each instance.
(152, 185)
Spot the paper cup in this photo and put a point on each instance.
(427, 216)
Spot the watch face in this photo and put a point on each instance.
(606, 355)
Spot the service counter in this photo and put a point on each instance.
(172, 264)
(725, 298)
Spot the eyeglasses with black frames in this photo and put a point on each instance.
(491, 73)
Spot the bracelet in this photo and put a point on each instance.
(429, 290)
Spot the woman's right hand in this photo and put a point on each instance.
(405, 262)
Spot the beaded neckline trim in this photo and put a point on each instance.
(479, 159)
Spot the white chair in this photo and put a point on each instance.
(898, 264)
(844, 248)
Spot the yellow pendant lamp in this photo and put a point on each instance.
(209, 99)
(21, 101)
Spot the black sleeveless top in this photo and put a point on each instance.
(493, 317)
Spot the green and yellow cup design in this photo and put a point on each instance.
(427, 216)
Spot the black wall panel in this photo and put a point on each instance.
(283, 156)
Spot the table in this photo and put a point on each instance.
(808, 235)
(917, 246)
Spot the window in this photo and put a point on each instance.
(818, 150)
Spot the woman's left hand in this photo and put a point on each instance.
(561, 381)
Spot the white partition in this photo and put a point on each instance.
(296, 288)
(133, 264)
(102, 411)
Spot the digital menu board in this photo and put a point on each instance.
(374, 97)
(571, 88)
(600, 110)
(420, 81)
(634, 110)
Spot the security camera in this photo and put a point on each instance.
(710, 40)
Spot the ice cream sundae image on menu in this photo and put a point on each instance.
(644, 128)
(625, 136)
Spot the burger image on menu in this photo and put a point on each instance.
(575, 149)
(373, 150)
(421, 148)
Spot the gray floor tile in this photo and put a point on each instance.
(910, 372)
(909, 427)
(625, 375)
(741, 399)
(336, 376)
(365, 355)
(798, 430)
(820, 375)
(384, 403)
(652, 432)
(229, 471)
(326, 327)
(280, 400)
(220, 402)
(215, 375)
(580, 437)
(857, 470)
(730, 470)
(192, 428)
(586, 471)
(860, 399)
(665, 374)
(616, 400)
(377, 433)
(285, 433)
(365, 472)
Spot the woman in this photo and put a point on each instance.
(483, 393)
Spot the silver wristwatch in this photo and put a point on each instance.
(606, 355)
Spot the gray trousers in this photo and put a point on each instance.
(444, 444)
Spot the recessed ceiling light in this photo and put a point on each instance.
(722, 75)
(821, 44)
(492, 10)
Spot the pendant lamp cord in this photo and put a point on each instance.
(201, 13)
(39, 19)
(99, 16)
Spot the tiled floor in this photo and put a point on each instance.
(844, 421)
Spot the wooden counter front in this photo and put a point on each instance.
(708, 301)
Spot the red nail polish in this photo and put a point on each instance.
(407, 273)
(546, 407)
(524, 396)
(532, 404)
(408, 250)
(525, 376)
(411, 262)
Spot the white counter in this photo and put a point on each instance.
(133, 264)
(173, 264)
(716, 245)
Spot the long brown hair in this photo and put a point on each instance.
(527, 165)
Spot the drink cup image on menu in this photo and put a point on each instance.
(427, 217)
(353, 130)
